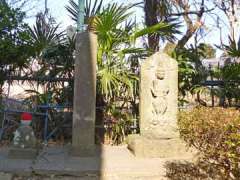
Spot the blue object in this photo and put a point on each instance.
(46, 107)
(80, 23)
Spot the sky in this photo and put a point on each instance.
(58, 11)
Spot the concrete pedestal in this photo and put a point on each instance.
(158, 148)
(20, 153)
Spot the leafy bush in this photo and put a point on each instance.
(215, 132)
(117, 125)
(191, 72)
(230, 91)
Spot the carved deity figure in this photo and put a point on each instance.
(159, 92)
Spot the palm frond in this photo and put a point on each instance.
(165, 30)
(232, 49)
(107, 24)
(42, 35)
(73, 9)
(90, 10)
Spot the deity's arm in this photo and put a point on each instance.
(153, 90)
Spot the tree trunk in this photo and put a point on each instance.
(151, 18)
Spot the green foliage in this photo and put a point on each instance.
(116, 48)
(53, 53)
(191, 72)
(230, 75)
(230, 72)
(36, 98)
(44, 34)
(232, 49)
(118, 63)
(215, 133)
(115, 74)
(166, 31)
(107, 26)
(207, 50)
(90, 10)
(14, 45)
(118, 125)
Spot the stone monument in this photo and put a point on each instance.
(24, 145)
(84, 105)
(159, 136)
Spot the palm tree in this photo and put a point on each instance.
(44, 33)
(116, 35)
(115, 42)
(53, 55)
(118, 57)
(90, 10)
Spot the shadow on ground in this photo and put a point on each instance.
(192, 171)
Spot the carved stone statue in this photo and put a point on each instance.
(159, 96)
(159, 136)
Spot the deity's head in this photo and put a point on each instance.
(160, 71)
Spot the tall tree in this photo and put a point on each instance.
(14, 46)
(184, 9)
(229, 8)
(151, 18)
(190, 11)
(156, 11)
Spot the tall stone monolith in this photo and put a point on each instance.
(84, 102)
(159, 136)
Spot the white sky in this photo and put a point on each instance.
(58, 11)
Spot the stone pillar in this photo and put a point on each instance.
(159, 97)
(84, 105)
(159, 136)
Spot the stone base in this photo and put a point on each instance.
(20, 153)
(82, 151)
(158, 148)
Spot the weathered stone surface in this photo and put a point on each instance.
(24, 138)
(158, 97)
(158, 148)
(24, 144)
(4, 176)
(113, 163)
(22, 153)
(83, 138)
(159, 136)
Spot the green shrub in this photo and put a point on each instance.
(117, 125)
(215, 132)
